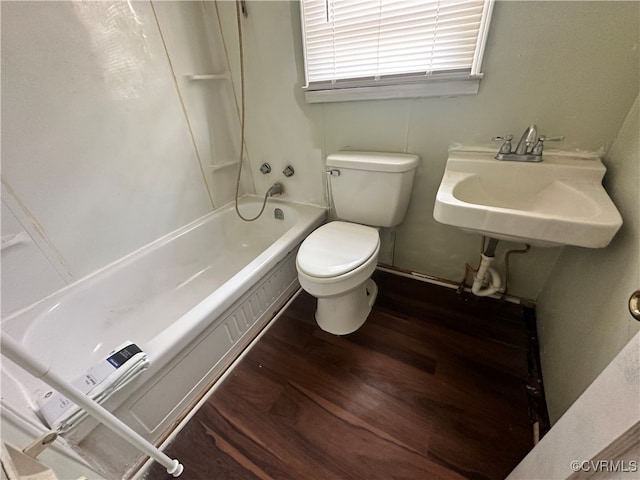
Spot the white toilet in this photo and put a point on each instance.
(335, 262)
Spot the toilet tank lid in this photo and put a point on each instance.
(374, 161)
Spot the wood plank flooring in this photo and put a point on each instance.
(433, 386)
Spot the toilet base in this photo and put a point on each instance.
(344, 314)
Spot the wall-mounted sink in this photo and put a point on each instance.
(560, 201)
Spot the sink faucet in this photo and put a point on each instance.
(527, 140)
(529, 147)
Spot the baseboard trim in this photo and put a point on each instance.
(450, 284)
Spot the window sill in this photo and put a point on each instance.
(435, 88)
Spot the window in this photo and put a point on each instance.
(366, 49)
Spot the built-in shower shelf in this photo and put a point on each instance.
(221, 165)
(12, 240)
(208, 76)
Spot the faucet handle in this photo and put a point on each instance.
(506, 146)
(506, 137)
(537, 149)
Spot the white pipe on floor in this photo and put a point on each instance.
(17, 354)
(495, 282)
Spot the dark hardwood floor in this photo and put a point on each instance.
(435, 385)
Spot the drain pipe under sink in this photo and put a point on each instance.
(495, 283)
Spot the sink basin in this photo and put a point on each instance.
(560, 201)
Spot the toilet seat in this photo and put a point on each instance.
(322, 287)
(336, 249)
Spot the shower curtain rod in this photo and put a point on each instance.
(17, 354)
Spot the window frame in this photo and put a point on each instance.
(409, 85)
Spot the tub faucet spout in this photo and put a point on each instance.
(275, 189)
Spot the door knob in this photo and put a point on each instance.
(634, 304)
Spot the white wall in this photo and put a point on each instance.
(103, 150)
(602, 425)
(570, 67)
(583, 316)
(281, 128)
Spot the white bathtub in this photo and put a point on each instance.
(191, 300)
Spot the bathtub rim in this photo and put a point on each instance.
(195, 320)
(245, 199)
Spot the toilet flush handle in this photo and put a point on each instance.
(334, 172)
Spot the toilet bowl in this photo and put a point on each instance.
(334, 265)
(336, 261)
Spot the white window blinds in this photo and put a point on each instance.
(355, 43)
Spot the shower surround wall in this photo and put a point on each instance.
(570, 67)
(106, 144)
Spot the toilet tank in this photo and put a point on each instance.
(371, 188)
